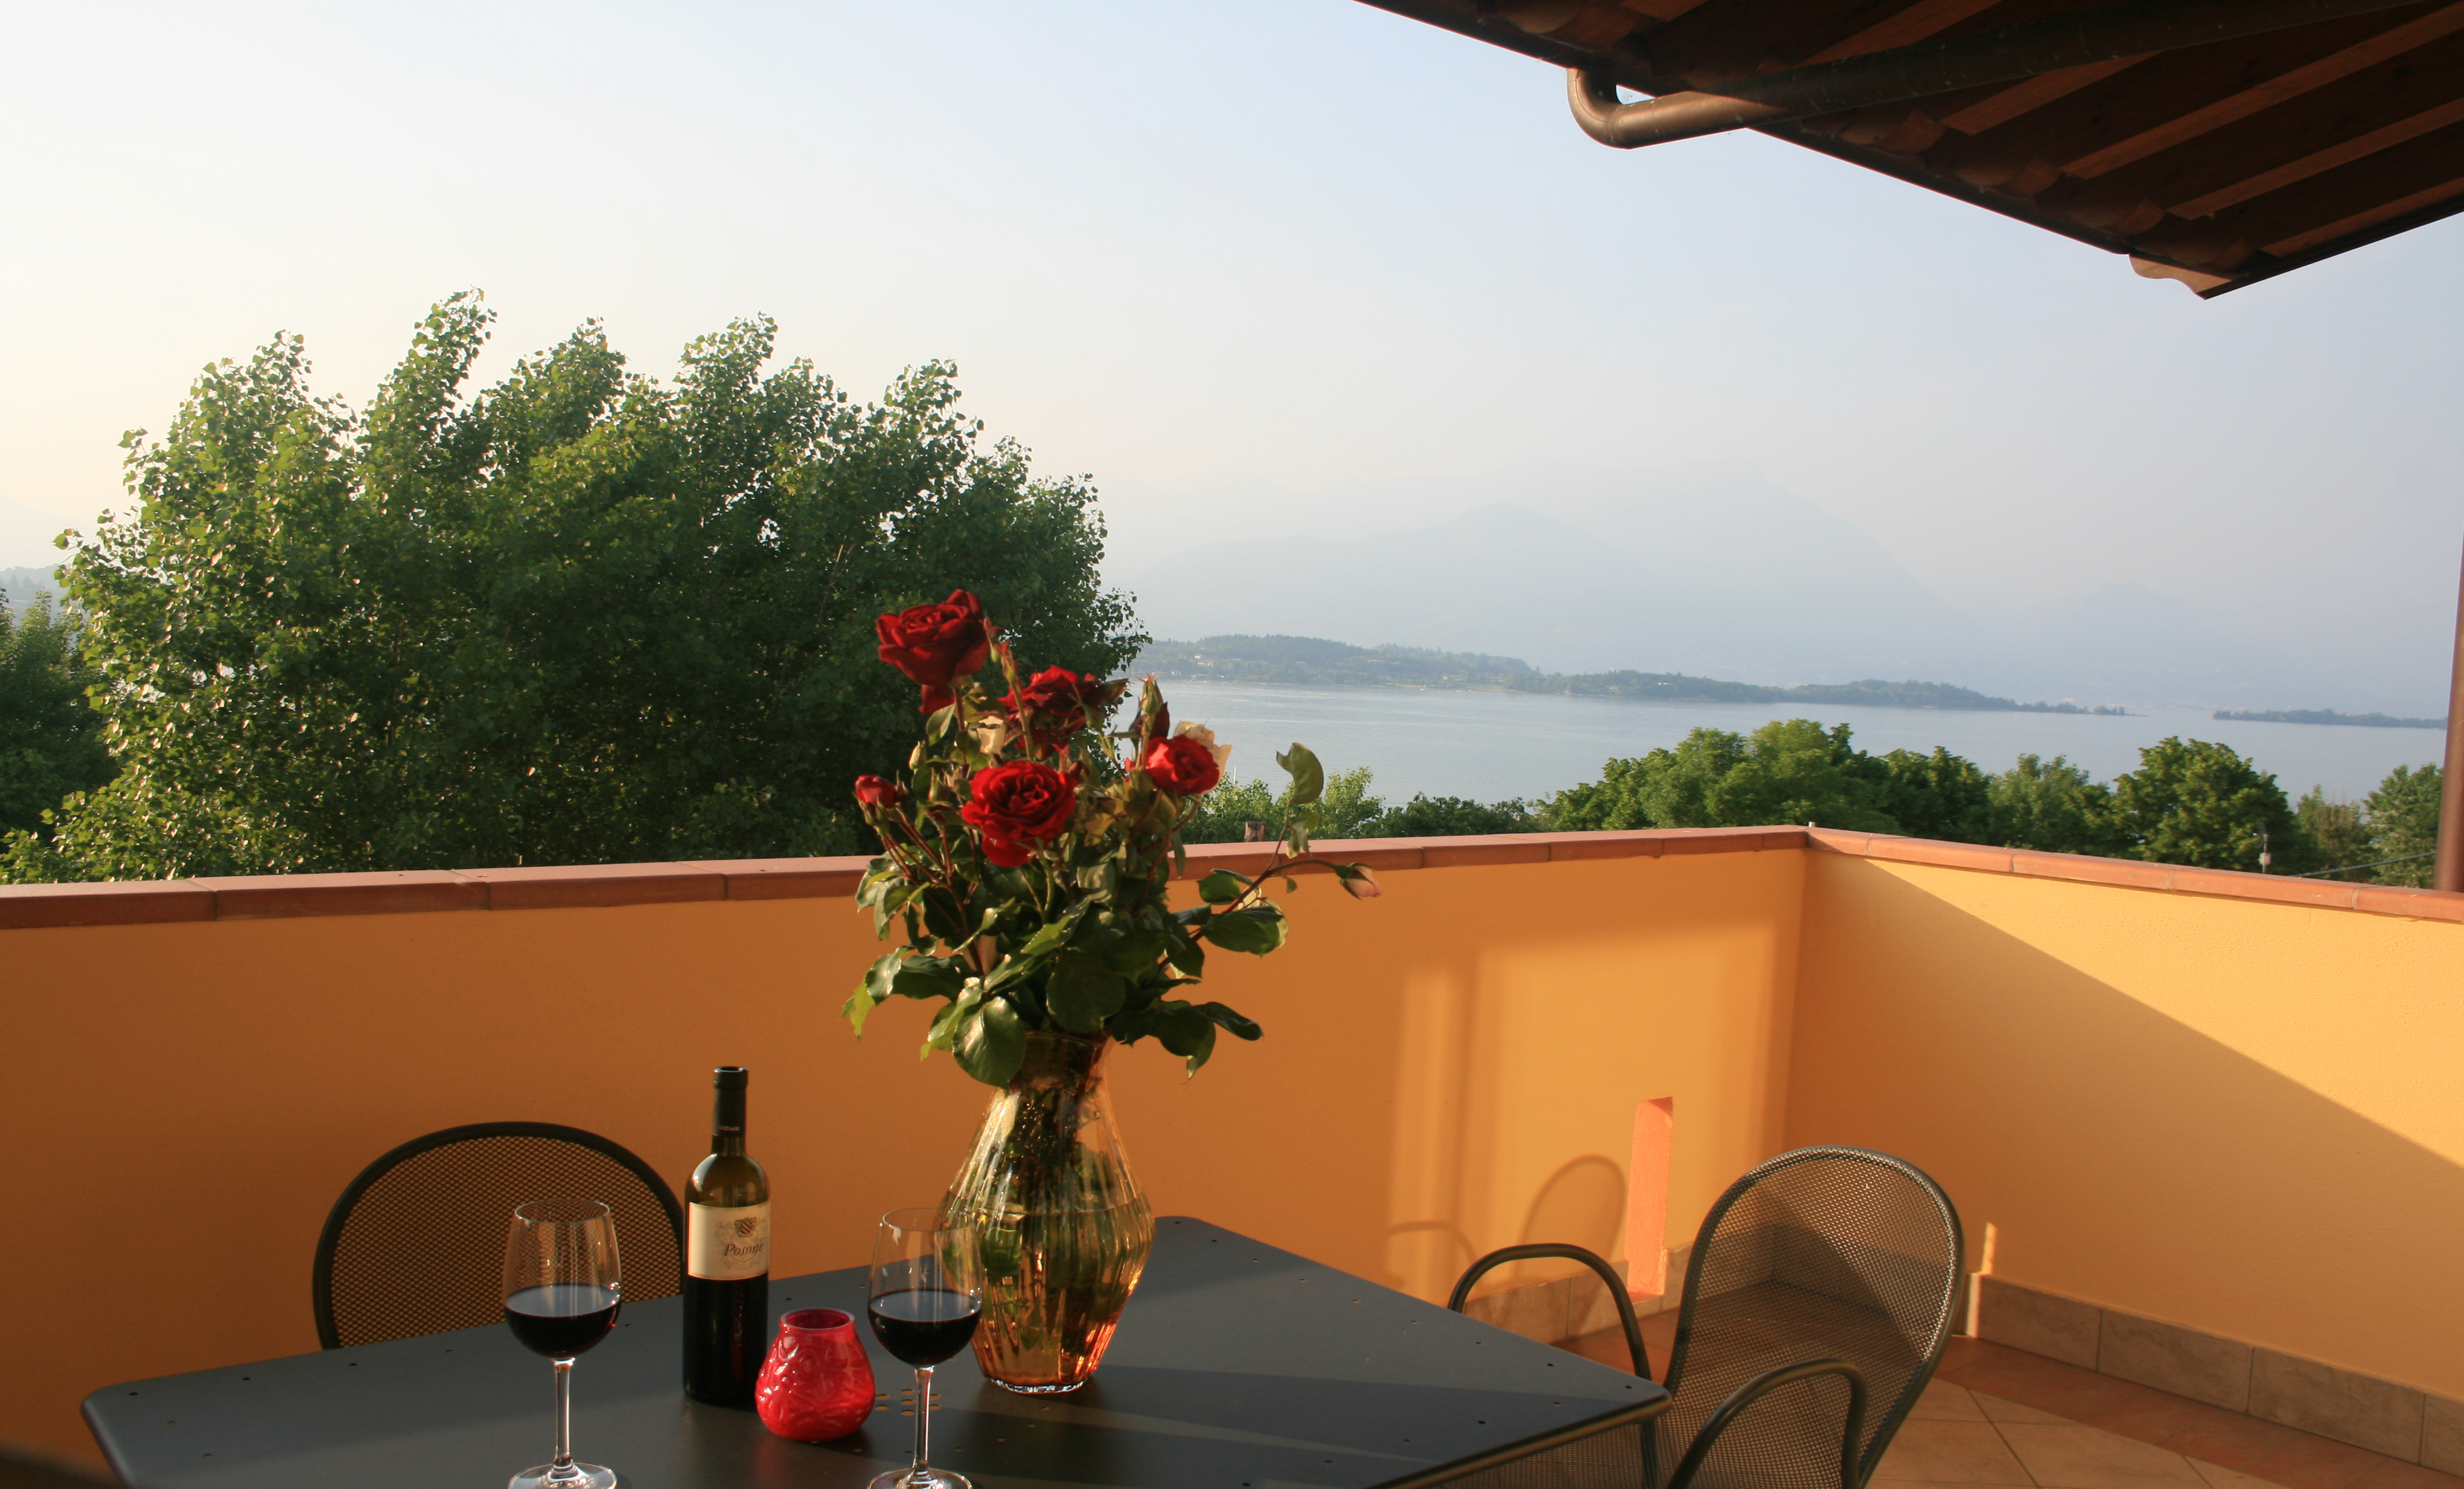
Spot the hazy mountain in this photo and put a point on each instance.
(1724, 577)
(20, 585)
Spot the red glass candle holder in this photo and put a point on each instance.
(816, 1384)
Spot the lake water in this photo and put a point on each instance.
(1493, 745)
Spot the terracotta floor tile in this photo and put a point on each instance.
(2395, 1474)
(2152, 1415)
(1950, 1453)
(2073, 1456)
(2016, 1375)
(2230, 1440)
(1999, 1409)
(2226, 1477)
(2082, 1396)
(2312, 1462)
(1944, 1402)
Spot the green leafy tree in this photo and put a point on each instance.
(1455, 816)
(1940, 795)
(2403, 822)
(2051, 805)
(1788, 770)
(2339, 831)
(1664, 788)
(51, 741)
(2196, 803)
(1796, 770)
(1225, 813)
(579, 617)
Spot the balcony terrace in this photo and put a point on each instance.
(2200, 1126)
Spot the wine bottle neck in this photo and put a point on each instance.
(727, 1123)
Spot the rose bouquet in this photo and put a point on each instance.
(1027, 856)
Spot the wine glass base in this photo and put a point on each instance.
(922, 1479)
(578, 1475)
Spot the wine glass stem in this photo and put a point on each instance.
(923, 1419)
(563, 1415)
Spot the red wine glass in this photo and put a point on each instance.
(926, 1292)
(562, 1289)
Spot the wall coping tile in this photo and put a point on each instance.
(29, 906)
(596, 885)
(2420, 904)
(265, 896)
(787, 879)
(136, 902)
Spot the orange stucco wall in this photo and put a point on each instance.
(1452, 1068)
(2242, 1117)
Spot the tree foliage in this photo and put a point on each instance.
(51, 741)
(579, 617)
(2197, 803)
(2051, 805)
(2404, 824)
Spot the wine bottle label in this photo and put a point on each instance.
(726, 1243)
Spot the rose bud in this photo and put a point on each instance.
(936, 644)
(1017, 806)
(873, 790)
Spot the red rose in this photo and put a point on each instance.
(1057, 703)
(1182, 766)
(872, 791)
(936, 644)
(1016, 805)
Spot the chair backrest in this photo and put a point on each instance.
(1823, 1252)
(416, 1245)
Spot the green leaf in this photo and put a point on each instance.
(1229, 1022)
(876, 881)
(1308, 777)
(1186, 956)
(1221, 887)
(883, 973)
(1081, 994)
(859, 1003)
(991, 1045)
(1185, 1031)
(942, 915)
(931, 977)
(1258, 929)
(1135, 952)
(945, 1024)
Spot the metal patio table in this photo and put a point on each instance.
(1237, 1366)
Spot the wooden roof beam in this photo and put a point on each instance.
(2136, 28)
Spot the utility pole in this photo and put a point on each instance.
(2264, 856)
(2449, 875)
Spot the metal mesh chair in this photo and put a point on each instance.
(1819, 1299)
(416, 1245)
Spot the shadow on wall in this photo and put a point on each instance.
(2123, 1155)
(1583, 1204)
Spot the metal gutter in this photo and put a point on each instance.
(2136, 28)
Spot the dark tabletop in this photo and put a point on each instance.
(1236, 1366)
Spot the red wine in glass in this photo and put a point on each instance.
(560, 1320)
(924, 1326)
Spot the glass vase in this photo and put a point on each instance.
(1066, 1230)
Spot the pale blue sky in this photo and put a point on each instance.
(1224, 257)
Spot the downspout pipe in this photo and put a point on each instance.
(2136, 28)
(2448, 872)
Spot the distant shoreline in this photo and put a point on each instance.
(2325, 716)
(1315, 661)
